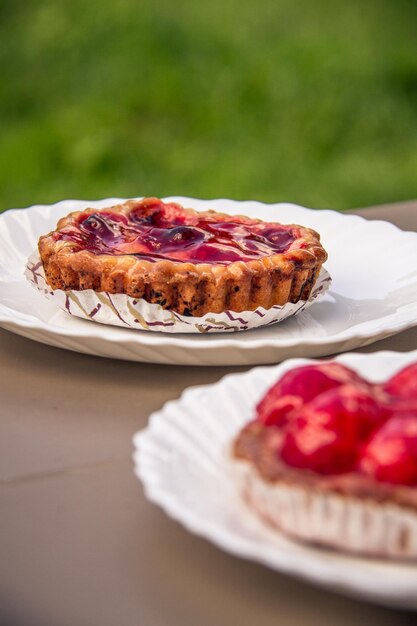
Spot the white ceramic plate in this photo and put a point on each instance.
(373, 266)
(181, 459)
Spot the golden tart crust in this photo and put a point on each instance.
(188, 288)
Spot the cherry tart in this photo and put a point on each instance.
(332, 459)
(186, 261)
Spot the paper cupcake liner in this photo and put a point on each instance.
(128, 312)
(348, 523)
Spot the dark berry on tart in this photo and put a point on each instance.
(332, 459)
(187, 261)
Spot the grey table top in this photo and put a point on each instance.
(79, 543)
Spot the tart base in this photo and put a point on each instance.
(125, 311)
(348, 523)
(189, 293)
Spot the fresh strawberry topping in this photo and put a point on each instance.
(404, 384)
(399, 393)
(327, 431)
(391, 453)
(331, 421)
(299, 386)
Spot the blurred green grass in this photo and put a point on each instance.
(310, 102)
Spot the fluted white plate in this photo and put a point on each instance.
(373, 266)
(181, 458)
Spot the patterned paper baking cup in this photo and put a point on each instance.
(128, 312)
(348, 523)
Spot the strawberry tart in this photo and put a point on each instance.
(331, 459)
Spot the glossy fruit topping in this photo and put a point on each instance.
(300, 385)
(326, 433)
(331, 420)
(155, 230)
(391, 453)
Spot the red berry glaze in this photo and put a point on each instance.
(159, 230)
(326, 434)
(391, 453)
(299, 386)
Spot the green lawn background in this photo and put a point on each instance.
(313, 102)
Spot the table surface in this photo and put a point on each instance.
(79, 543)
